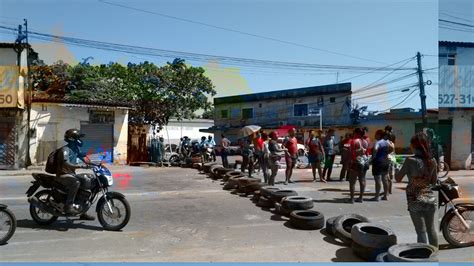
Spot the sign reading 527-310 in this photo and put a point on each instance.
(9, 86)
(456, 86)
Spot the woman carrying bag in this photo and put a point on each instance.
(421, 200)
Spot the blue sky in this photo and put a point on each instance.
(459, 11)
(384, 31)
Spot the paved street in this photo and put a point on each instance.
(180, 215)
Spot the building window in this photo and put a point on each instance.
(321, 101)
(451, 60)
(225, 113)
(332, 99)
(300, 110)
(247, 113)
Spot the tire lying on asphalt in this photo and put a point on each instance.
(297, 203)
(197, 166)
(374, 238)
(382, 257)
(245, 181)
(307, 219)
(232, 182)
(207, 166)
(265, 203)
(232, 174)
(213, 171)
(266, 191)
(282, 210)
(278, 195)
(222, 171)
(256, 196)
(330, 228)
(416, 252)
(249, 189)
(343, 226)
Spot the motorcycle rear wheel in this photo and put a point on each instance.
(7, 225)
(454, 231)
(122, 215)
(46, 218)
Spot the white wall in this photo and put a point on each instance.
(51, 124)
(177, 129)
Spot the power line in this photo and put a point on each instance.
(403, 101)
(456, 23)
(456, 17)
(198, 57)
(237, 31)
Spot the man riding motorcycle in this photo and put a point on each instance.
(66, 168)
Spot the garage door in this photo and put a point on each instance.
(7, 145)
(98, 142)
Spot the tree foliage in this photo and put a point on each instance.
(156, 94)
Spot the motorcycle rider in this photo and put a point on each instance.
(67, 163)
(211, 144)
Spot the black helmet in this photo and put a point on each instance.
(73, 135)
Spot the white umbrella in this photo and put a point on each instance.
(249, 130)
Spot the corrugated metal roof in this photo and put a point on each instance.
(84, 103)
(456, 44)
(290, 93)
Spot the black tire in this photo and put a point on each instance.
(297, 203)
(213, 171)
(282, 210)
(207, 166)
(222, 171)
(330, 228)
(228, 186)
(234, 181)
(454, 231)
(232, 174)
(307, 219)
(278, 195)
(416, 252)
(256, 196)
(266, 191)
(343, 226)
(174, 160)
(246, 181)
(265, 203)
(34, 211)
(250, 189)
(373, 235)
(382, 257)
(103, 211)
(10, 223)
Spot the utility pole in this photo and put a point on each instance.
(421, 83)
(29, 96)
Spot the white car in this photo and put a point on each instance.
(301, 147)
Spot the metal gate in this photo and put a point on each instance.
(137, 143)
(99, 141)
(7, 144)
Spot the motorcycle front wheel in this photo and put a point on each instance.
(455, 232)
(7, 225)
(39, 216)
(117, 216)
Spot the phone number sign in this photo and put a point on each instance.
(10, 84)
(456, 86)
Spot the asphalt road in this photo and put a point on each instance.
(180, 215)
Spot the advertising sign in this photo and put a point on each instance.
(456, 87)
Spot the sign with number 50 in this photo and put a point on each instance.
(9, 86)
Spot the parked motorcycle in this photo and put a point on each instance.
(113, 210)
(7, 224)
(457, 223)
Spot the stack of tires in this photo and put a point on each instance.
(248, 185)
(207, 167)
(370, 239)
(265, 196)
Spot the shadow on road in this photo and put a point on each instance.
(63, 225)
(331, 239)
(345, 255)
(279, 218)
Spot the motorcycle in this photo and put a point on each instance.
(457, 223)
(113, 210)
(7, 224)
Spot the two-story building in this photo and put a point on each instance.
(303, 108)
(456, 99)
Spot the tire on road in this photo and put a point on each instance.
(307, 219)
(382, 257)
(249, 189)
(197, 166)
(330, 228)
(373, 235)
(416, 252)
(222, 171)
(233, 182)
(213, 171)
(232, 174)
(266, 191)
(278, 195)
(297, 203)
(256, 196)
(265, 203)
(343, 225)
(207, 166)
(245, 181)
